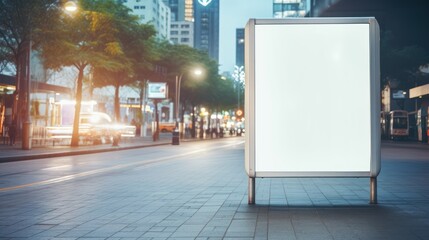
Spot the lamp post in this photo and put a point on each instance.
(26, 124)
(196, 72)
(176, 104)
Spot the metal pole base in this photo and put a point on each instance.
(251, 191)
(373, 190)
(26, 135)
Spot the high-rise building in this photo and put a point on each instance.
(154, 12)
(177, 8)
(182, 32)
(206, 28)
(181, 10)
(189, 10)
(290, 8)
(239, 47)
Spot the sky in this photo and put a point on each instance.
(235, 14)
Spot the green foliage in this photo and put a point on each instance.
(209, 89)
(20, 22)
(103, 35)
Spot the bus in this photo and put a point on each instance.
(399, 124)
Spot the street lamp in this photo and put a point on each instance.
(70, 6)
(196, 72)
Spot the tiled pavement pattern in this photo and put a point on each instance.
(204, 196)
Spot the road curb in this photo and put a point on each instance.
(74, 153)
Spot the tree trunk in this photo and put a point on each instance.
(141, 117)
(182, 120)
(75, 134)
(117, 104)
(209, 120)
(193, 121)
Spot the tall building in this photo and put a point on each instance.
(239, 47)
(182, 32)
(154, 12)
(177, 8)
(290, 8)
(206, 28)
(189, 10)
(181, 29)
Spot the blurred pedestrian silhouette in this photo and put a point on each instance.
(12, 133)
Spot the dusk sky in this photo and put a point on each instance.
(235, 14)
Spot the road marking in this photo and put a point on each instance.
(113, 168)
(56, 167)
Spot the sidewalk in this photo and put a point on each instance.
(16, 153)
(204, 197)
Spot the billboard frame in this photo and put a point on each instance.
(251, 101)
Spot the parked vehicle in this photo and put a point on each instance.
(167, 127)
(94, 126)
(399, 124)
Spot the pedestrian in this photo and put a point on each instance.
(12, 133)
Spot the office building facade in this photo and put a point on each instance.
(290, 8)
(181, 10)
(154, 12)
(206, 28)
(181, 29)
(239, 47)
(182, 32)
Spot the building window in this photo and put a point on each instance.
(184, 32)
(184, 26)
(184, 40)
(142, 7)
(174, 32)
(138, 0)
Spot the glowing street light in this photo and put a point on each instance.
(196, 72)
(70, 6)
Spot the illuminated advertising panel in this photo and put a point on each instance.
(312, 98)
(157, 90)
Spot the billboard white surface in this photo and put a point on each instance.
(157, 90)
(312, 91)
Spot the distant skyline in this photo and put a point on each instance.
(235, 14)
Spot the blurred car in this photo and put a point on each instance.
(94, 126)
(167, 127)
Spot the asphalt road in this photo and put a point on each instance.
(198, 190)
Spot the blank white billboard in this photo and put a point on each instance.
(312, 91)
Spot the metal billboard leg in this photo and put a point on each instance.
(373, 190)
(251, 191)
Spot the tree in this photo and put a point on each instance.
(21, 23)
(88, 38)
(134, 40)
(208, 90)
